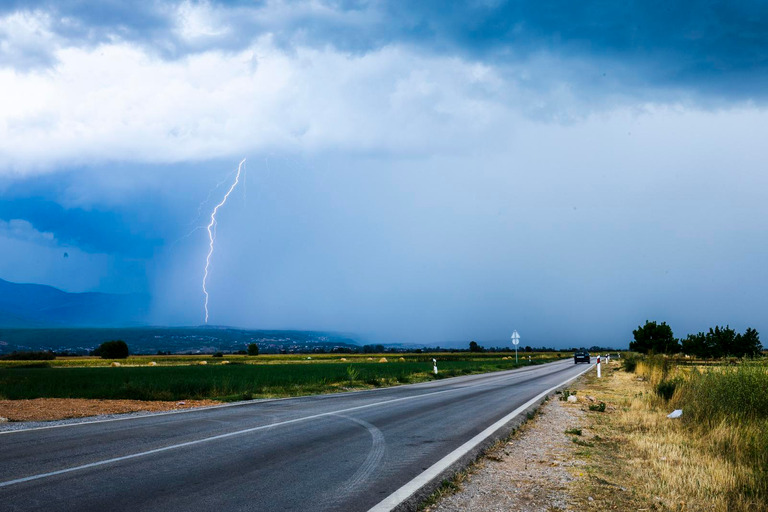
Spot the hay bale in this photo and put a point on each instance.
(201, 363)
(383, 360)
(152, 363)
(225, 362)
(343, 359)
(370, 359)
(402, 359)
(114, 364)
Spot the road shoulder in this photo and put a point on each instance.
(532, 470)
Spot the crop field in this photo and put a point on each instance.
(238, 377)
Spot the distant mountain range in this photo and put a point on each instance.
(40, 317)
(176, 340)
(37, 305)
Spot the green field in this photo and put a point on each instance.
(238, 377)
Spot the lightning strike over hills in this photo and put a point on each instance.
(212, 233)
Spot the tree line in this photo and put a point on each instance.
(717, 342)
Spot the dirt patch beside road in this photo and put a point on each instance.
(47, 409)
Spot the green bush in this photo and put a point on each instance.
(597, 407)
(666, 388)
(630, 363)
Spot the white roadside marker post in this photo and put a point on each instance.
(598, 366)
(434, 365)
(515, 342)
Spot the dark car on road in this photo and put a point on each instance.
(581, 357)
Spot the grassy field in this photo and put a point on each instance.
(715, 457)
(238, 377)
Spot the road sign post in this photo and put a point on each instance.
(515, 342)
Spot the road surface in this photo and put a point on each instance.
(349, 451)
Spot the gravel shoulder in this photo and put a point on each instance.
(532, 471)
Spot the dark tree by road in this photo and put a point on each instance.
(474, 347)
(656, 338)
(253, 349)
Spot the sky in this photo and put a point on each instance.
(416, 172)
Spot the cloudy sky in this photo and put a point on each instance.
(418, 172)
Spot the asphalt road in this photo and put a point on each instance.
(343, 452)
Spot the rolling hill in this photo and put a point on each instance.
(36, 305)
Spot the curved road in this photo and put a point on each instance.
(349, 451)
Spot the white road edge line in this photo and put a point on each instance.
(236, 433)
(134, 416)
(406, 491)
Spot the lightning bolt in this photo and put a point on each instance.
(212, 233)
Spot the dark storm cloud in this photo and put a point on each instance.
(90, 230)
(712, 47)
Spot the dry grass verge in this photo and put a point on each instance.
(646, 461)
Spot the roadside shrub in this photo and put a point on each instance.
(597, 407)
(666, 388)
(218, 354)
(630, 364)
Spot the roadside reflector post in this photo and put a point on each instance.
(434, 365)
(515, 342)
(598, 367)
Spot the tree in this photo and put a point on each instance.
(253, 349)
(696, 345)
(748, 344)
(653, 337)
(115, 349)
(474, 347)
(722, 342)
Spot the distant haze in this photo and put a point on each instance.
(415, 173)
